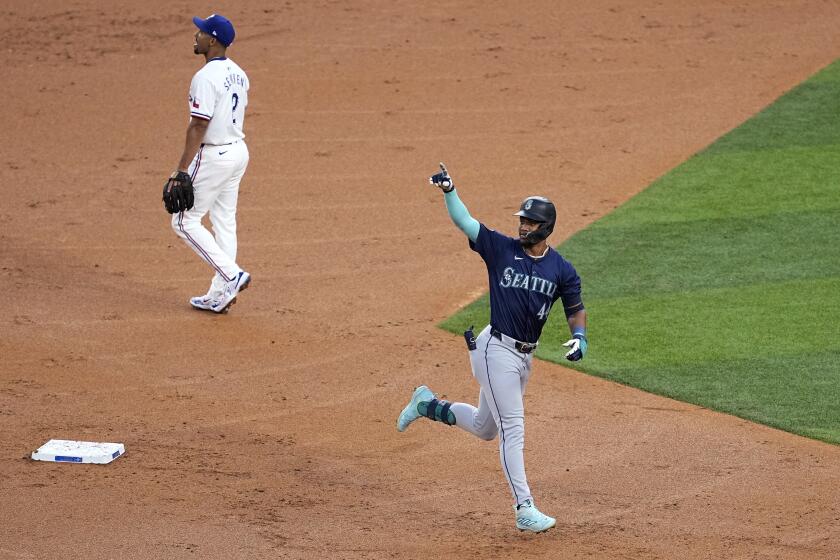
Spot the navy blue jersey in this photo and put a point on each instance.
(523, 289)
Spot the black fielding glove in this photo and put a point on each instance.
(178, 193)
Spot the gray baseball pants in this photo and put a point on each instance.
(502, 373)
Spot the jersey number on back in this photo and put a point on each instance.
(235, 103)
(543, 312)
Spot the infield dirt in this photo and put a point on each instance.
(270, 432)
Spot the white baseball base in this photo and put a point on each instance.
(68, 451)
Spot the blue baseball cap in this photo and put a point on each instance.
(218, 26)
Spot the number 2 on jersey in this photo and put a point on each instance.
(543, 312)
(235, 104)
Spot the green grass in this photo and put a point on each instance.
(719, 284)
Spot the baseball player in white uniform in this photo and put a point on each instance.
(215, 158)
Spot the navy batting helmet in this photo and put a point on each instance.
(538, 209)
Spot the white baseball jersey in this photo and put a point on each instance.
(219, 94)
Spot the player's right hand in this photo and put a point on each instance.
(577, 346)
(442, 180)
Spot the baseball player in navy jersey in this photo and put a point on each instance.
(213, 162)
(526, 278)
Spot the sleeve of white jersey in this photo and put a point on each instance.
(202, 98)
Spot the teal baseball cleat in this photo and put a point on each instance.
(529, 518)
(410, 412)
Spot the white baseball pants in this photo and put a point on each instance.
(502, 373)
(216, 172)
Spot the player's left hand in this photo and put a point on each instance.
(178, 193)
(577, 348)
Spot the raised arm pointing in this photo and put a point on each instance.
(457, 211)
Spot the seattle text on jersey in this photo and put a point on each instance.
(512, 279)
